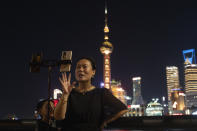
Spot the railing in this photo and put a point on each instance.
(155, 123)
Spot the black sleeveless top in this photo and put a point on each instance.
(86, 112)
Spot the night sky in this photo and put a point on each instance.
(147, 36)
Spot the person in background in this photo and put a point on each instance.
(42, 111)
(83, 107)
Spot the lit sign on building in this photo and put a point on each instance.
(189, 56)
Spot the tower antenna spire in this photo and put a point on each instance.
(105, 12)
(106, 28)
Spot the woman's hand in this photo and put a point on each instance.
(65, 82)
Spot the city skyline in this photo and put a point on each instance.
(147, 37)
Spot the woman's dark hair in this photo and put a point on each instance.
(90, 59)
(41, 103)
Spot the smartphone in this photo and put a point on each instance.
(66, 55)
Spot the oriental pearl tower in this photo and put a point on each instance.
(106, 49)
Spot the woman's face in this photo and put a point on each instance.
(84, 71)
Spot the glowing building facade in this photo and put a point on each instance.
(172, 76)
(154, 108)
(137, 106)
(190, 77)
(191, 85)
(178, 102)
(165, 105)
(118, 91)
(189, 56)
(137, 97)
(106, 49)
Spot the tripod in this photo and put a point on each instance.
(37, 62)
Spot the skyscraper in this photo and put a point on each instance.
(106, 49)
(191, 85)
(118, 91)
(137, 97)
(172, 76)
(190, 67)
(137, 106)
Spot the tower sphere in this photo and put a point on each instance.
(106, 48)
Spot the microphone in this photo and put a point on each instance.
(66, 55)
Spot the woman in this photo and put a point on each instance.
(46, 121)
(85, 107)
(42, 110)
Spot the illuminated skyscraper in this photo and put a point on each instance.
(118, 91)
(190, 77)
(106, 49)
(191, 85)
(137, 97)
(173, 84)
(137, 106)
